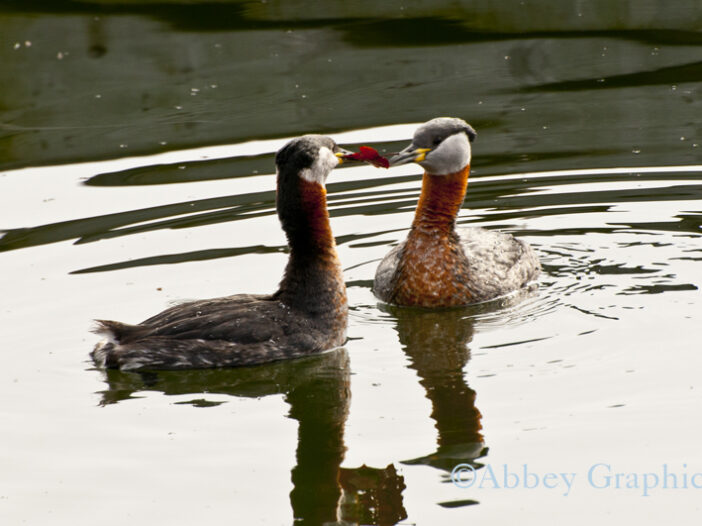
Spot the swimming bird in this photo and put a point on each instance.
(439, 265)
(306, 315)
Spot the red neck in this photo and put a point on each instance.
(305, 219)
(313, 198)
(313, 279)
(440, 201)
(433, 271)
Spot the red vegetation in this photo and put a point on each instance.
(369, 155)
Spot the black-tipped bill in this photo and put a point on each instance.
(341, 153)
(411, 154)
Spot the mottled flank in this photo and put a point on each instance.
(224, 332)
(478, 266)
(307, 314)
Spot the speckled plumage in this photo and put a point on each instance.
(478, 265)
(221, 332)
(307, 314)
(439, 265)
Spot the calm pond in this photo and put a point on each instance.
(136, 169)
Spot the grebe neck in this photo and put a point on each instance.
(313, 279)
(433, 270)
(440, 201)
(305, 220)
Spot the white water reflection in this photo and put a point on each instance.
(600, 360)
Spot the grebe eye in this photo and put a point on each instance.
(437, 141)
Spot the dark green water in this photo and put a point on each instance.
(570, 85)
(136, 161)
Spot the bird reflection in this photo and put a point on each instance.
(317, 390)
(436, 343)
(372, 496)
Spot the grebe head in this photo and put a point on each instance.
(310, 157)
(440, 146)
(303, 165)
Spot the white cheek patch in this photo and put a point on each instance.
(325, 163)
(452, 155)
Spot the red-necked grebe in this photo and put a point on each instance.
(439, 265)
(306, 315)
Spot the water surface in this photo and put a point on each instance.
(137, 146)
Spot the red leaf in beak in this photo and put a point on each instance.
(369, 155)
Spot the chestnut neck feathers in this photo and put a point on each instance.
(433, 270)
(313, 279)
(440, 201)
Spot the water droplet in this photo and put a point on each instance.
(59, 55)
(163, 143)
(636, 151)
(178, 107)
(98, 96)
(27, 43)
(682, 138)
(181, 167)
(17, 45)
(123, 145)
(506, 57)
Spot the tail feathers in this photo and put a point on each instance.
(118, 332)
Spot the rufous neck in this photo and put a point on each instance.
(313, 279)
(440, 200)
(306, 221)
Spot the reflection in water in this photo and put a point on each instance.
(317, 389)
(436, 342)
(372, 496)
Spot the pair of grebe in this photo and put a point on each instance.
(436, 266)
